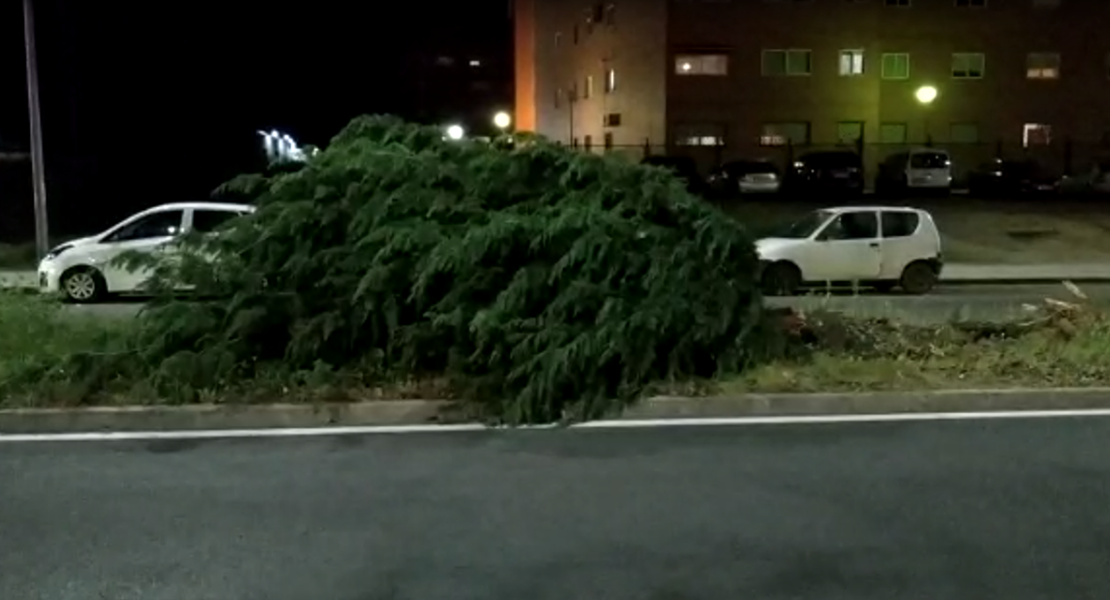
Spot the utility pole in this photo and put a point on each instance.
(42, 238)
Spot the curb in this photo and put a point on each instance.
(431, 412)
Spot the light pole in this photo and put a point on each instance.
(925, 95)
(42, 237)
(502, 120)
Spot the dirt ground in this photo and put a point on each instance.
(980, 231)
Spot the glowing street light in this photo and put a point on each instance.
(502, 120)
(925, 94)
(455, 132)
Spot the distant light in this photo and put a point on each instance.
(475, 63)
(455, 132)
(926, 94)
(686, 66)
(502, 120)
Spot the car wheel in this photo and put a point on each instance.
(781, 279)
(918, 278)
(83, 285)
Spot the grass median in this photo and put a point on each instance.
(46, 360)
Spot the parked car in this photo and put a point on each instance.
(838, 171)
(683, 167)
(917, 171)
(879, 246)
(82, 271)
(744, 177)
(1005, 177)
(1095, 181)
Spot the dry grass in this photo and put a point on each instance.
(978, 231)
(1060, 344)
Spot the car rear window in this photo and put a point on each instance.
(831, 160)
(746, 167)
(928, 160)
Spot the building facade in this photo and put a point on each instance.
(728, 79)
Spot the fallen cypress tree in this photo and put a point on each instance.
(544, 282)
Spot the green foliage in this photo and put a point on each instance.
(544, 282)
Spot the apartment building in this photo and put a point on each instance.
(725, 79)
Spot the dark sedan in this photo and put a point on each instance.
(1007, 177)
(838, 171)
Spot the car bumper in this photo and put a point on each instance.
(48, 279)
(768, 187)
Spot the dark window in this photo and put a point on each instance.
(608, 140)
(899, 224)
(852, 226)
(207, 221)
(159, 224)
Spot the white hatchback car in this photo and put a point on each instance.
(82, 270)
(877, 246)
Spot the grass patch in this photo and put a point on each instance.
(980, 231)
(47, 360)
(51, 357)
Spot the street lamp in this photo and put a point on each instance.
(925, 96)
(502, 120)
(455, 132)
(38, 173)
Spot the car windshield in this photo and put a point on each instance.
(806, 226)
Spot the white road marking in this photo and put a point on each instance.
(117, 436)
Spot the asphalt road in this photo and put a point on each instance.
(907, 511)
(978, 302)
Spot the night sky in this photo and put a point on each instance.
(150, 102)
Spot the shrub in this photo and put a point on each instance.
(544, 282)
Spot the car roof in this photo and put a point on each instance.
(840, 209)
(230, 206)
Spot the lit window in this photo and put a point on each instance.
(777, 63)
(701, 64)
(893, 133)
(700, 134)
(851, 62)
(610, 81)
(475, 63)
(588, 91)
(968, 65)
(1036, 134)
(896, 66)
(781, 134)
(849, 132)
(1042, 65)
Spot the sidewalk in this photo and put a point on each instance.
(1002, 274)
(18, 279)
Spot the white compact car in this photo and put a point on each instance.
(81, 269)
(877, 246)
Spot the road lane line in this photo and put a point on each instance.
(208, 434)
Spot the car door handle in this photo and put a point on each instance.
(874, 244)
